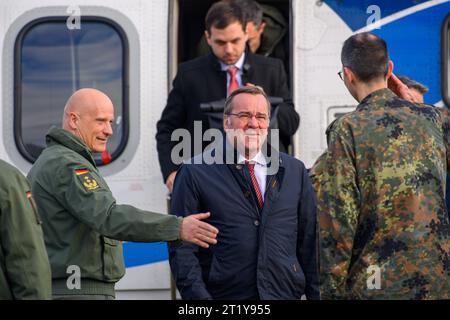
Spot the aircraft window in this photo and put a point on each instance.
(51, 62)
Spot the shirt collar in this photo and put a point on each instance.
(258, 158)
(239, 64)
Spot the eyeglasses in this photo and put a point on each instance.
(247, 116)
(341, 75)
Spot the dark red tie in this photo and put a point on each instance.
(251, 169)
(232, 71)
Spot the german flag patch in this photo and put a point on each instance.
(86, 179)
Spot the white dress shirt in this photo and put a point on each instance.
(239, 65)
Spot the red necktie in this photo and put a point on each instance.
(233, 80)
(251, 169)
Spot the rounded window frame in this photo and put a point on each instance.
(17, 104)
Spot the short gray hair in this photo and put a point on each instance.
(249, 89)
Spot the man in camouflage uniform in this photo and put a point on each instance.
(384, 229)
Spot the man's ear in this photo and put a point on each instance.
(245, 35)
(349, 74)
(262, 27)
(390, 69)
(73, 118)
(226, 122)
(208, 37)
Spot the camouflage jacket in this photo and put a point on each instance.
(384, 228)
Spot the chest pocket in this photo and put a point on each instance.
(113, 264)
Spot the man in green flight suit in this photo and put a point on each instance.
(380, 185)
(24, 266)
(83, 225)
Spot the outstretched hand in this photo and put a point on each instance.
(198, 232)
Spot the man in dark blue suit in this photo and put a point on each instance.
(263, 206)
(212, 77)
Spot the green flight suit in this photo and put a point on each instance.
(82, 222)
(24, 266)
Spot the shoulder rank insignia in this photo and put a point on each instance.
(87, 180)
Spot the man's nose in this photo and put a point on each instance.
(108, 129)
(252, 122)
(228, 47)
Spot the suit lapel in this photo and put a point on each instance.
(238, 171)
(273, 187)
(239, 175)
(218, 87)
(247, 72)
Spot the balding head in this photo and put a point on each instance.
(88, 114)
(85, 100)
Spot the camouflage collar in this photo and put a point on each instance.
(375, 99)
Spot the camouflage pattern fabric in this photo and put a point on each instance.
(381, 200)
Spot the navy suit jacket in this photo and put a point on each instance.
(267, 254)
